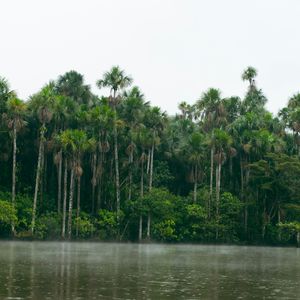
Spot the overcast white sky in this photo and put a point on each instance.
(174, 49)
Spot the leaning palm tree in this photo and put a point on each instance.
(15, 112)
(116, 80)
(42, 105)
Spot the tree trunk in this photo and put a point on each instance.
(279, 220)
(94, 164)
(150, 188)
(263, 231)
(71, 203)
(211, 179)
(141, 228)
(142, 195)
(230, 173)
(246, 203)
(130, 175)
(78, 204)
(298, 239)
(38, 175)
(99, 195)
(195, 184)
(242, 179)
(151, 167)
(13, 192)
(59, 181)
(63, 232)
(148, 160)
(218, 184)
(116, 154)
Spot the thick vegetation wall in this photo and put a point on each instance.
(74, 165)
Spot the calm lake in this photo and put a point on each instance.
(56, 270)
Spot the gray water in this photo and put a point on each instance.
(54, 270)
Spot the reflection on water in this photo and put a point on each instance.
(42, 270)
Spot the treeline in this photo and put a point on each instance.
(76, 165)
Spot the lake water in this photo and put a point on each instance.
(55, 270)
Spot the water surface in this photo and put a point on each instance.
(55, 270)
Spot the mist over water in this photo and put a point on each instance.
(56, 270)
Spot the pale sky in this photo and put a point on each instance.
(174, 49)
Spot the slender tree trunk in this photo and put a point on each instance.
(63, 232)
(99, 195)
(60, 163)
(130, 175)
(148, 160)
(195, 184)
(142, 195)
(242, 179)
(37, 178)
(211, 179)
(78, 204)
(94, 164)
(116, 154)
(151, 167)
(71, 203)
(218, 184)
(150, 188)
(246, 203)
(298, 239)
(14, 167)
(263, 231)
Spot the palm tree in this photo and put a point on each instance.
(63, 109)
(133, 111)
(222, 142)
(155, 121)
(42, 104)
(5, 94)
(213, 115)
(194, 154)
(142, 137)
(101, 118)
(83, 145)
(16, 109)
(71, 85)
(248, 75)
(115, 80)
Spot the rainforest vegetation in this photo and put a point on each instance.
(75, 165)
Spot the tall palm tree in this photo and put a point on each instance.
(15, 111)
(71, 85)
(5, 94)
(116, 80)
(213, 115)
(42, 105)
(155, 121)
(101, 118)
(248, 75)
(133, 111)
(193, 151)
(63, 109)
(142, 137)
(74, 143)
(222, 143)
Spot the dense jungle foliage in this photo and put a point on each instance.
(74, 165)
